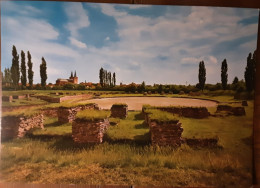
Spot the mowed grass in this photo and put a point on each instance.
(126, 158)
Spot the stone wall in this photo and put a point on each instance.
(7, 98)
(16, 127)
(231, 110)
(119, 111)
(166, 133)
(87, 131)
(202, 142)
(68, 114)
(50, 112)
(190, 112)
(65, 98)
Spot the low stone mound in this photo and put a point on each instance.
(68, 114)
(190, 112)
(244, 103)
(16, 126)
(202, 142)
(50, 112)
(231, 110)
(7, 98)
(119, 111)
(19, 96)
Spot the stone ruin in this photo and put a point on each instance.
(119, 111)
(202, 142)
(16, 127)
(231, 110)
(68, 114)
(7, 98)
(189, 112)
(50, 112)
(166, 133)
(89, 131)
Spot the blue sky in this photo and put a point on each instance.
(155, 44)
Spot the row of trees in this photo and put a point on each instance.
(16, 73)
(106, 79)
(249, 74)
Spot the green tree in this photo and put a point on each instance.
(250, 72)
(101, 77)
(15, 68)
(30, 71)
(7, 76)
(43, 72)
(224, 75)
(23, 70)
(235, 81)
(202, 75)
(114, 79)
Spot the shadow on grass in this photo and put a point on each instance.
(139, 116)
(139, 140)
(53, 124)
(142, 126)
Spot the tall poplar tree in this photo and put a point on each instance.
(43, 72)
(224, 75)
(114, 79)
(250, 72)
(202, 75)
(30, 71)
(23, 70)
(101, 77)
(15, 68)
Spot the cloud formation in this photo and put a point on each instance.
(156, 48)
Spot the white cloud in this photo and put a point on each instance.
(77, 16)
(107, 38)
(77, 43)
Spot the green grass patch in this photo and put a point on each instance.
(129, 129)
(92, 115)
(27, 112)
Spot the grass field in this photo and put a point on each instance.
(127, 158)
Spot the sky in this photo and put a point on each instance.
(155, 44)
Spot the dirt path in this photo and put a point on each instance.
(136, 103)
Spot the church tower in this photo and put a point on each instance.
(74, 79)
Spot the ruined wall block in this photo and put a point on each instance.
(88, 131)
(190, 112)
(50, 112)
(16, 127)
(166, 133)
(119, 110)
(232, 110)
(68, 114)
(7, 98)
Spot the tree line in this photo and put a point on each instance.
(21, 73)
(106, 79)
(249, 74)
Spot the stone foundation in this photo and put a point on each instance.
(190, 112)
(166, 133)
(19, 96)
(232, 110)
(202, 142)
(87, 131)
(7, 98)
(50, 112)
(68, 114)
(16, 127)
(119, 111)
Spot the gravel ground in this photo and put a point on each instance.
(136, 103)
